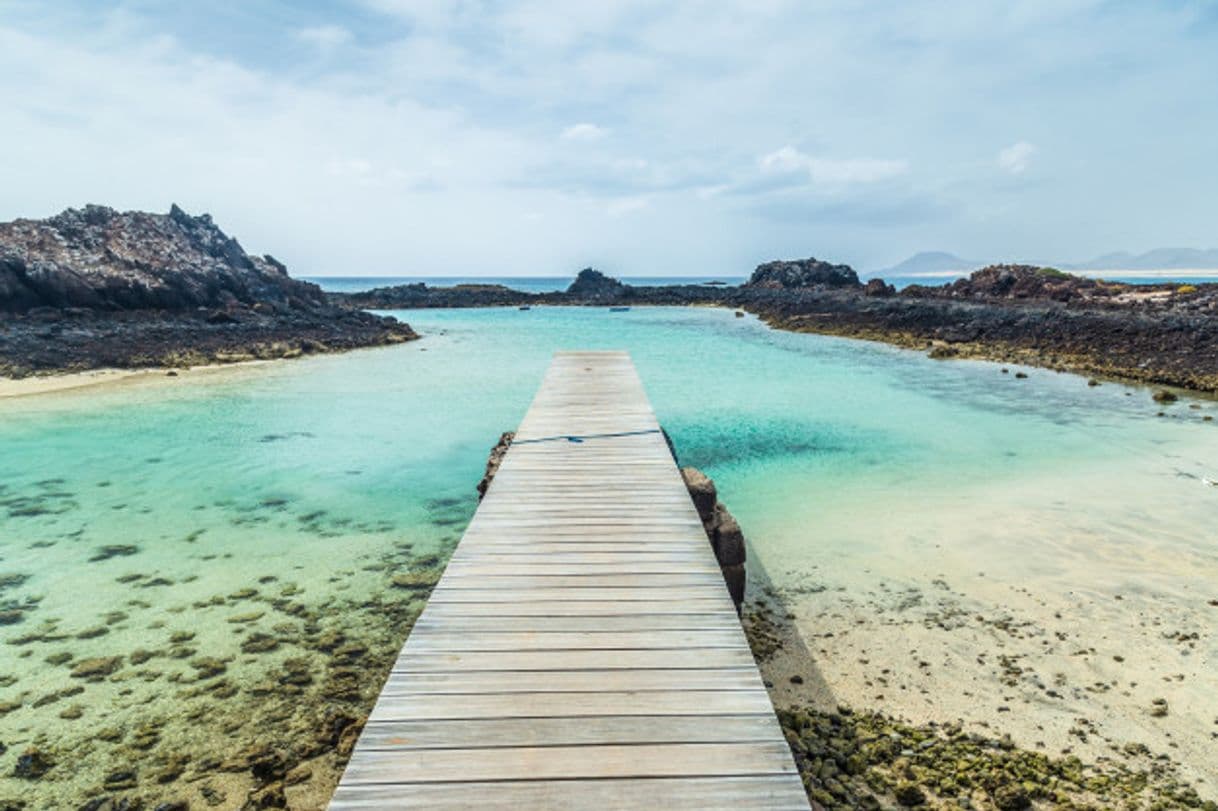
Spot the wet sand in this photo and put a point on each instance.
(1068, 642)
(71, 381)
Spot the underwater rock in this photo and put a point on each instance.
(270, 796)
(207, 667)
(1164, 396)
(297, 775)
(32, 764)
(494, 461)
(415, 581)
(296, 671)
(12, 580)
(259, 643)
(120, 780)
(1012, 797)
(908, 794)
(96, 668)
(113, 551)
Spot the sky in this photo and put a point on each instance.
(417, 137)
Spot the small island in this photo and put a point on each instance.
(1164, 334)
(95, 288)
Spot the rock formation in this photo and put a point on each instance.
(810, 272)
(722, 530)
(95, 287)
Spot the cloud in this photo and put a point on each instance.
(828, 171)
(1017, 157)
(420, 122)
(325, 37)
(627, 205)
(583, 132)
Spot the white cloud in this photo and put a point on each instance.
(627, 205)
(583, 132)
(325, 37)
(426, 120)
(831, 171)
(1017, 157)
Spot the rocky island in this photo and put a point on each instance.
(94, 288)
(1164, 334)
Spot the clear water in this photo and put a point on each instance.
(848, 463)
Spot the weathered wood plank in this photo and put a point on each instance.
(568, 762)
(541, 660)
(579, 681)
(622, 729)
(764, 793)
(460, 640)
(437, 623)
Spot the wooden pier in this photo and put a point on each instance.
(581, 650)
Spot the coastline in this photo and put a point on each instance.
(1162, 334)
(56, 382)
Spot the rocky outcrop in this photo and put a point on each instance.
(1163, 333)
(722, 530)
(811, 272)
(103, 259)
(593, 286)
(494, 461)
(95, 287)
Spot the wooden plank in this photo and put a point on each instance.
(541, 660)
(622, 729)
(760, 793)
(431, 623)
(501, 593)
(575, 608)
(579, 681)
(460, 640)
(570, 762)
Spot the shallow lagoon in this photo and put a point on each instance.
(906, 510)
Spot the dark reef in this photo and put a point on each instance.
(1155, 333)
(94, 287)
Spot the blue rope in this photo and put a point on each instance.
(577, 438)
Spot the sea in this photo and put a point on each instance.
(192, 565)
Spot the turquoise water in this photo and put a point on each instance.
(154, 507)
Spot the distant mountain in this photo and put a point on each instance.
(1158, 259)
(930, 262)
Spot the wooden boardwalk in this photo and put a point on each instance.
(581, 650)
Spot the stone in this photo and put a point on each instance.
(207, 667)
(702, 490)
(96, 668)
(32, 764)
(494, 460)
(811, 272)
(728, 540)
(909, 794)
(269, 796)
(415, 581)
(1012, 797)
(1164, 396)
(592, 285)
(734, 577)
(259, 643)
